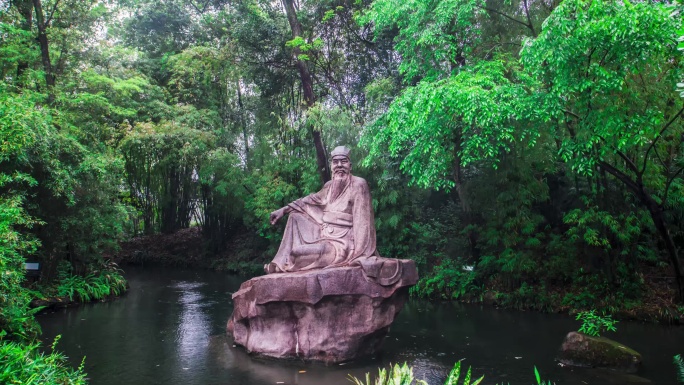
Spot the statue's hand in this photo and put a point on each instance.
(276, 215)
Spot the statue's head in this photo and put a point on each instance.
(340, 164)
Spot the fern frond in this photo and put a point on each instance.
(679, 364)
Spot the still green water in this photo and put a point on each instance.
(170, 329)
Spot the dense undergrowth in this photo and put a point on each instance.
(99, 283)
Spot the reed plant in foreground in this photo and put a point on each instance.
(403, 375)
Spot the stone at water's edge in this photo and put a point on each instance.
(579, 349)
(329, 315)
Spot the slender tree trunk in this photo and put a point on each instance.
(244, 124)
(468, 215)
(460, 188)
(44, 48)
(25, 9)
(307, 86)
(656, 212)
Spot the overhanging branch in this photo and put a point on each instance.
(508, 17)
(660, 134)
(621, 176)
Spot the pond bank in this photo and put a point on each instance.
(52, 303)
(185, 248)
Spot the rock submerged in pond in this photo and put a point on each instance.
(579, 349)
(329, 315)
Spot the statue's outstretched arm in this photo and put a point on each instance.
(281, 212)
(315, 199)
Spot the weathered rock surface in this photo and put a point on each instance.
(579, 349)
(329, 315)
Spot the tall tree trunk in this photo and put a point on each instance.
(656, 212)
(307, 86)
(468, 215)
(25, 9)
(44, 48)
(243, 123)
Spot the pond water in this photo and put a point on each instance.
(170, 329)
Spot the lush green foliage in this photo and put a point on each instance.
(26, 365)
(527, 153)
(564, 161)
(95, 285)
(450, 280)
(15, 316)
(496, 135)
(594, 324)
(59, 175)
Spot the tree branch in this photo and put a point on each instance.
(660, 134)
(669, 183)
(505, 15)
(204, 6)
(572, 113)
(622, 177)
(529, 20)
(624, 157)
(54, 8)
(629, 162)
(655, 151)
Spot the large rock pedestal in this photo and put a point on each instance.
(329, 315)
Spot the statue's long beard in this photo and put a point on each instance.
(339, 183)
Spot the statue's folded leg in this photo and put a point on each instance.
(312, 256)
(302, 247)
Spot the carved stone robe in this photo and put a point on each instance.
(324, 231)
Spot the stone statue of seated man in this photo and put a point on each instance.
(333, 228)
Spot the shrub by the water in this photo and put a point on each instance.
(594, 324)
(97, 284)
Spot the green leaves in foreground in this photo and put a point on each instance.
(456, 373)
(398, 375)
(24, 364)
(403, 375)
